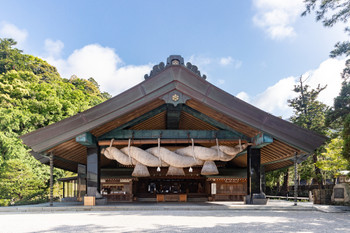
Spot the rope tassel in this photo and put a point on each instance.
(159, 156)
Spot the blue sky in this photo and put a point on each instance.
(255, 50)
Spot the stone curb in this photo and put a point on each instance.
(332, 209)
(152, 208)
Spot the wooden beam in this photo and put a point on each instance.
(169, 134)
(45, 159)
(244, 152)
(291, 157)
(65, 160)
(173, 116)
(261, 140)
(143, 117)
(86, 139)
(213, 122)
(278, 161)
(163, 141)
(276, 168)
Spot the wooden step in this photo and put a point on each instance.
(146, 199)
(197, 199)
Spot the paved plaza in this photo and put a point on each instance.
(179, 220)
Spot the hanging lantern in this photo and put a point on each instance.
(158, 169)
(190, 170)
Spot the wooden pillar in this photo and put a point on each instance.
(295, 180)
(63, 186)
(81, 182)
(249, 165)
(255, 170)
(68, 189)
(255, 194)
(263, 179)
(51, 179)
(93, 171)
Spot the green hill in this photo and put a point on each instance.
(33, 95)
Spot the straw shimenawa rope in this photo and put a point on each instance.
(185, 157)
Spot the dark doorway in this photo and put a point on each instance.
(150, 187)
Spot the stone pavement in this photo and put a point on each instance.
(273, 205)
(169, 221)
(276, 216)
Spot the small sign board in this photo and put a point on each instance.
(125, 180)
(213, 188)
(228, 180)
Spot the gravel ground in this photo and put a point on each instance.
(176, 221)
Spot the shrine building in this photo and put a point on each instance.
(172, 137)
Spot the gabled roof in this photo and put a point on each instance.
(166, 79)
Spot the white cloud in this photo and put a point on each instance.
(200, 61)
(274, 98)
(203, 62)
(280, 32)
(243, 96)
(8, 30)
(101, 63)
(328, 73)
(276, 17)
(221, 81)
(53, 48)
(224, 61)
(207, 64)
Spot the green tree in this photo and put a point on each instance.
(331, 12)
(18, 183)
(309, 113)
(274, 179)
(33, 95)
(10, 58)
(331, 161)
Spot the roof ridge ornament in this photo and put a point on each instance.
(195, 70)
(174, 60)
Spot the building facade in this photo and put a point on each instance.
(173, 137)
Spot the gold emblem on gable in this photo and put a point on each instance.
(175, 97)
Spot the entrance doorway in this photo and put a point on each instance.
(148, 188)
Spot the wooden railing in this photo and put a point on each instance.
(288, 198)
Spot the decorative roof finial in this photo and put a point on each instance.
(174, 60)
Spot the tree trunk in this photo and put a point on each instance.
(285, 187)
(318, 177)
